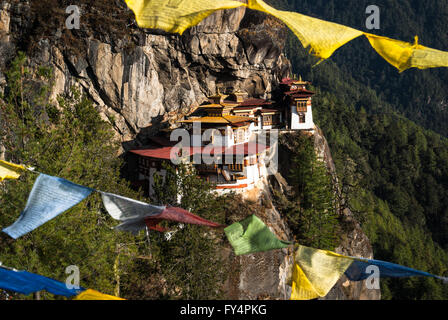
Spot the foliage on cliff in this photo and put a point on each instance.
(108, 21)
(310, 207)
(420, 95)
(393, 172)
(70, 141)
(73, 142)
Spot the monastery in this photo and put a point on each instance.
(227, 137)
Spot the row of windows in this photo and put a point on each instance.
(271, 119)
(301, 106)
(239, 167)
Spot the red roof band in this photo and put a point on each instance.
(164, 153)
(300, 92)
(255, 102)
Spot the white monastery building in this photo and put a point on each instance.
(222, 144)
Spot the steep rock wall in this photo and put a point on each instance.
(354, 243)
(142, 78)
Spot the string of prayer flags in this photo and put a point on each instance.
(90, 294)
(49, 197)
(322, 37)
(252, 235)
(178, 215)
(315, 272)
(10, 170)
(122, 208)
(26, 283)
(176, 15)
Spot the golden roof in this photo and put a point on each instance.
(300, 81)
(216, 106)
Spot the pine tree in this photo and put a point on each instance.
(314, 218)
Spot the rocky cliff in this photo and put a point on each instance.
(354, 242)
(143, 80)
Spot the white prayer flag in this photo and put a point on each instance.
(49, 197)
(123, 209)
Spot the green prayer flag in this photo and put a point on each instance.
(252, 235)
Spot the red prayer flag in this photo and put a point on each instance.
(178, 215)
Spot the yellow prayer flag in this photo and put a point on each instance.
(321, 36)
(90, 294)
(176, 15)
(10, 170)
(316, 272)
(404, 55)
(302, 289)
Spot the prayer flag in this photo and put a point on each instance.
(178, 215)
(252, 235)
(323, 37)
(49, 197)
(171, 214)
(358, 270)
(10, 170)
(26, 283)
(404, 55)
(133, 226)
(90, 294)
(315, 272)
(176, 15)
(122, 208)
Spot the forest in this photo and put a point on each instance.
(387, 132)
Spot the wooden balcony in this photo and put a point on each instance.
(208, 168)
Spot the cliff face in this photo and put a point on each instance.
(140, 78)
(354, 243)
(143, 80)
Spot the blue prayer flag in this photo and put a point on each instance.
(358, 270)
(26, 283)
(49, 197)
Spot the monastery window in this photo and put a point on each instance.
(238, 167)
(302, 118)
(301, 106)
(267, 120)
